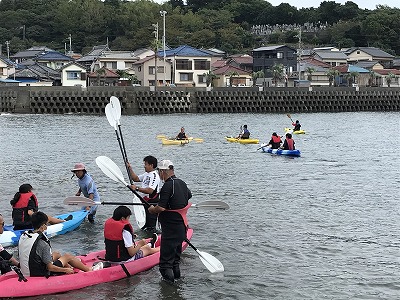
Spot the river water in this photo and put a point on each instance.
(322, 226)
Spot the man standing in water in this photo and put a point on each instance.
(172, 208)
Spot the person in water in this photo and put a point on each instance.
(24, 204)
(119, 238)
(275, 141)
(288, 144)
(182, 135)
(245, 134)
(296, 125)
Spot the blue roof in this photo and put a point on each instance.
(353, 68)
(9, 80)
(53, 56)
(184, 50)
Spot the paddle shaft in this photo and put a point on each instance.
(290, 117)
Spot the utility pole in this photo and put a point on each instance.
(70, 44)
(8, 49)
(163, 13)
(156, 55)
(299, 53)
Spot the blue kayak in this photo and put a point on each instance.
(10, 237)
(281, 152)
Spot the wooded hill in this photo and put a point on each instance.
(222, 24)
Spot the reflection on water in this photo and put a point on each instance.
(324, 225)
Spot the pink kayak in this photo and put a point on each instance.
(34, 286)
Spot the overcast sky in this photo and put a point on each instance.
(368, 4)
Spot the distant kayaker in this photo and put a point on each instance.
(245, 134)
(149, 188)
(6, 258)
(172, 208)
(24, 204)
(288, 144)
(88, 187)
(119, 238)
(296, 125)
(275, 141)
(181, 135)
(36, 256)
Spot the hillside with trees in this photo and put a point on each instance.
(224, 24)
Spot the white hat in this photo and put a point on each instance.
(165, 165)
(78, 167)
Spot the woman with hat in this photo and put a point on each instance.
(87, 186)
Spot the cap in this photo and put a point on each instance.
(165, 164)
(78, 167)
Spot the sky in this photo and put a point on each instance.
(363, 4)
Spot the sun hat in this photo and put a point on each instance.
(78, 167)
(165, 165)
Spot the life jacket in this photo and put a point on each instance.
(290, 143)
(297, 126)
(181, 136)
(182, 212)
(246, 134)
(114, 241)
(276, 139)
(31, 263)
(20, 216)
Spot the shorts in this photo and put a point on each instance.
(57, 263)
(138, 255)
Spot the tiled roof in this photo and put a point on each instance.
(225, 70)
(366, 64)
(73, 63)
(387, 71)
(185, 50)
(326, 54)
(218, 64)
(316, 62)
(53, 56)
(108, 74)
(243, 60)
(374, 52)
(350, 68)
(270, 48)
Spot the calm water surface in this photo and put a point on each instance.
(322, 226)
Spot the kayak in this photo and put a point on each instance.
(290, 130)
(11, 287)
(10, 237)
(281, 152)
(174, 142)
(242, 141)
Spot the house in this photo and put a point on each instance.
(189, 66)
(241, 61)
(369, 65)
(36, 75)
(88, 59)
(53, 59)
(103, 77)
(232, 76)
(346, 78)
(7, 67)
(381, 77)
(357, 54)
(333, 58)
(314, 71)
(145, 71)
(73, 74)
(265, 58)
(30, 53)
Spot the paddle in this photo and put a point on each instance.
(290, 117)
(110, 169)
(263, 145)
(75, 200)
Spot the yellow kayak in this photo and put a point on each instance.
(290, 130)
(174, 142)
(242, 141)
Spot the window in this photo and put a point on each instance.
(128, 65)
(183, 64)
(186, 76)
(201, 65)
(201, 79)
(152, 70)
(160, 69)
(279, 55)
(111, 65)
(73, 75)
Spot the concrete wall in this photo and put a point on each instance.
(140, 100)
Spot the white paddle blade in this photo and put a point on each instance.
(110, 116)
(110, 169)
(212, 204)
(212, 264)
(83, 201)
(116, 107)
(139, 212)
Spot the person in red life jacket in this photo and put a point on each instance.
(296, 125)
(172, 208)
(36, 256)
(288, 144)
(119, 238)
(275, 141)
(149, 188)
(6, 259)
(24, 204)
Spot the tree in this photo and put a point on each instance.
(309, 71)
(100, 73)
(210, 77)
(389, 78)
(231, 75)
(255, 75)
(332, 74)
(371, 79)
(277, 73)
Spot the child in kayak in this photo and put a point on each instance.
(296, 125)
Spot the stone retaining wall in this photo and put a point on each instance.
(62, 100)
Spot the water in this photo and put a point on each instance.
(322, 226)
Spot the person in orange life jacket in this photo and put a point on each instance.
(24, 204)
(6, 259)
(288, 144)
(275, 141)
(172, 208)
(119, 238)
(36, 256)
(245, 134)
(296, 125)
(149, 188)
(181, 135)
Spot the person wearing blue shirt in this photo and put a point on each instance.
(87, 187)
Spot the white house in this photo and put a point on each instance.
(73, 74)
(145, 71)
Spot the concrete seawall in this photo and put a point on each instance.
(140, 100)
